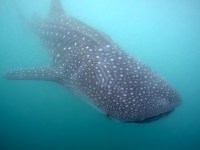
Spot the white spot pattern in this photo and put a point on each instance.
(93, 65)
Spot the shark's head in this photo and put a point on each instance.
(144, 105)
(162, 104)
(142, 96)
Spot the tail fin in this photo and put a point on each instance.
(23, 20)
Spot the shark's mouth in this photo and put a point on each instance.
(153, 118)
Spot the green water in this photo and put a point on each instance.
(39, 115)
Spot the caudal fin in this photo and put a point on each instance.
(23, 20)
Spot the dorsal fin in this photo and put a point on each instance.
(56, 9)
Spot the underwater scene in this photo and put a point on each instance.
(99, 75)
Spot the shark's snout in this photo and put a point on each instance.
(165, 107)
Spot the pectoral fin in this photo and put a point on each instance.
(48, 73)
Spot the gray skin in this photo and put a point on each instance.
(89, 63)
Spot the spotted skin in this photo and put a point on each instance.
(88, 62)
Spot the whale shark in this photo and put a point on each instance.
(89, 63)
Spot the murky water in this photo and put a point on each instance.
(43, 115)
